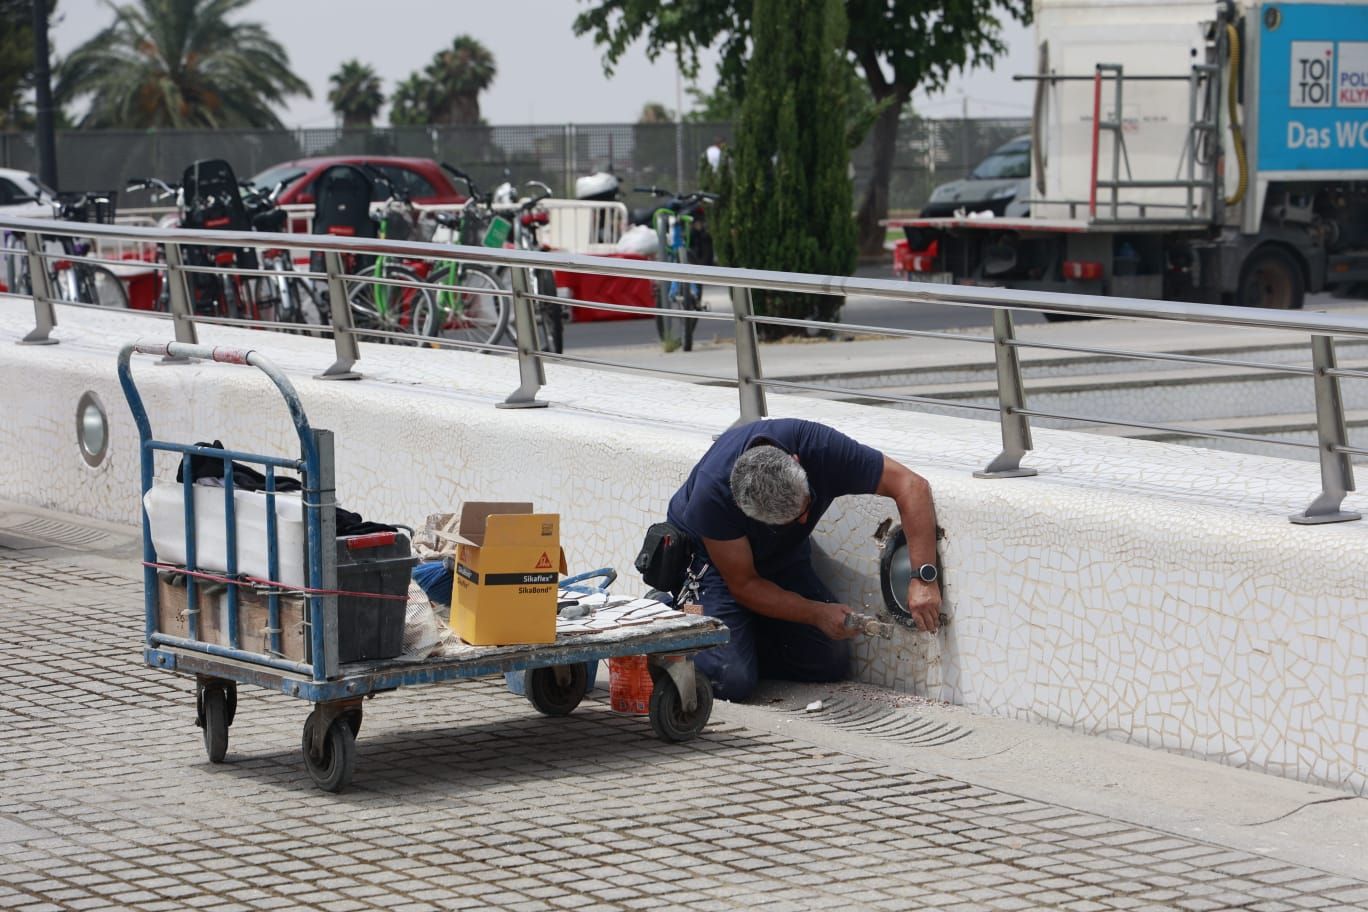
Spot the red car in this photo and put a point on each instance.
(422, 178)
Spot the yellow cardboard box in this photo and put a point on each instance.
(507, 563)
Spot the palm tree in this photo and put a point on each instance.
(412, 102)
(653, 112)
(460, 73)
(179, 63)
(355, 95)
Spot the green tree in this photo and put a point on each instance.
(717, 106)
(653, 112)
(786, 196)
(461, 73)
(355, 95)
(412, 103)
(16, 62)
(447, 90)
(899, 46)
(179, 63)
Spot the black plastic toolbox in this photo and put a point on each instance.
(371, 625)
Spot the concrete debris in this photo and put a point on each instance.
(869, 625)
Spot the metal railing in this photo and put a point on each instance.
(1013, 412)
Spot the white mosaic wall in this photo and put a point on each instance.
(1145, 592)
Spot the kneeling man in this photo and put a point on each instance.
(750, 506)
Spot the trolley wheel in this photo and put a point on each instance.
(669, 720)
(216, 718)
(552, 698)
(331, 769)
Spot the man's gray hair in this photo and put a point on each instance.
(769, 485)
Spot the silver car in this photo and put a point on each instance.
(1000, 184)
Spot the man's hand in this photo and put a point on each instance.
(923, 603)
(829, 618)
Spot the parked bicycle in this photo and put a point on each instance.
(384, 295)
(487, 223)
(72, 278)
(682, 235)
(288, 295)
(471, 305)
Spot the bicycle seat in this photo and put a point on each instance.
(446, 219)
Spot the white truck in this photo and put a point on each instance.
(1181, 149)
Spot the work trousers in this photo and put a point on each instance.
(762, 647)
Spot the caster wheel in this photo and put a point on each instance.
(331, 769)
(215, 705)
(552, 698)
(669, 720)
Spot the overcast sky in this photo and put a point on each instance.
(545, 74)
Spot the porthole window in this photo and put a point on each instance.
(92, 428)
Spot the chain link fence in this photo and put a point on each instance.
(930, 152)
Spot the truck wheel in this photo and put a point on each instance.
(1271, 278)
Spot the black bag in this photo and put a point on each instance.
(665, 556)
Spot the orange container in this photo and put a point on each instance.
(629, 685)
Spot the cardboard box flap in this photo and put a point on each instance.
(474, 517)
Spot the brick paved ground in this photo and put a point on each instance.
(464, 798)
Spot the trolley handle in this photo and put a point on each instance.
(308, 445)
(189, 350)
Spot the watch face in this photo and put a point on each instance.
(927, 572)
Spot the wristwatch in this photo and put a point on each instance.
(926, 573)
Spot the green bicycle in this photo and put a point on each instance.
(682, 238)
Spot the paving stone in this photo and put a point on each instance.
(464, 799)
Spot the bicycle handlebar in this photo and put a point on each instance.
(152, 183)
(475, 194)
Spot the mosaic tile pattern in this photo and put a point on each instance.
(1142, 591)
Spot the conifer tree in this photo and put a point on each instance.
(787, 201)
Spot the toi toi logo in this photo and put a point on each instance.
(1313, 74)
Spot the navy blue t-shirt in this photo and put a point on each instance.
(835, 465)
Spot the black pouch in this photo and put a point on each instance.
(665, 556)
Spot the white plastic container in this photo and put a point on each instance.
(166, 517)
(639, 239)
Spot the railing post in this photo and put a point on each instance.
(531, 374)
(339, 309)
(178, 294)
(1337, 472)
(40, 288)
(1016, 428)
(752, 394)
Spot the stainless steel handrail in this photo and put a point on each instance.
(1333, 446)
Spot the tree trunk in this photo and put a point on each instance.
(874, 206)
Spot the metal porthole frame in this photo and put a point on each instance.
(90, 400)
(895, 572)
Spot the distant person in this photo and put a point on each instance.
(749, 506)
(713, 154)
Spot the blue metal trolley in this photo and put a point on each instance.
(556, 679)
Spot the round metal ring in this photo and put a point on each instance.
(92, 428)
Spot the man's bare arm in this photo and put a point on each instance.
(734, 560)
(917, 511)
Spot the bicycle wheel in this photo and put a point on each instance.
(550, 317)
(301, 305)
(266, 292)
(15, 273)
(472, 314)
(692, 303)
(671, 328)
(88, 283)
(397, 308)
